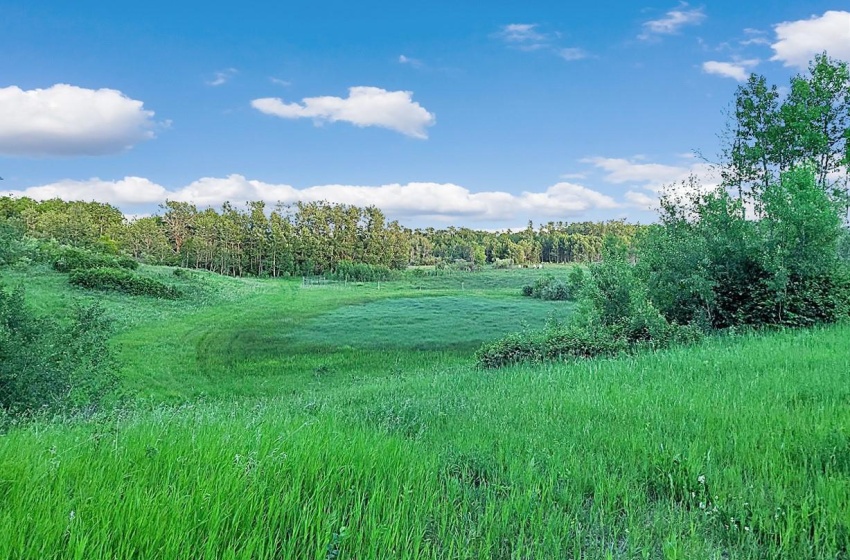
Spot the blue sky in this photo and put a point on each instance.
(465, 113)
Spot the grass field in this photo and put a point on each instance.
(274, 420)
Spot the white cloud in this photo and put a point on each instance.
(524, 36)
(653, 178)
(415, 63)
(439, 201)
(65, 120)
(739, 70)
(127, 191)
(278, 81)
(641, 200)
(797, 42)
(672, 22)
(527, 37)
(364, 106)
(222, 77)
(572, 53)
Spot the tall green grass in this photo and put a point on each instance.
(738, 448)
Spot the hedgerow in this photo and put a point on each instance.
(122, 280)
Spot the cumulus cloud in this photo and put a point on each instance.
(65, 120)
(440, 201)
(738, 70)
(364, 106)
(797, 42)
(672, 22)
(127, 191)
(222, 77)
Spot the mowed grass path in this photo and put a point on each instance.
(247, 337)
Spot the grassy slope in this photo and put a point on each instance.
(419, 455)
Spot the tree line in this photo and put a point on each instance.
(301, 239)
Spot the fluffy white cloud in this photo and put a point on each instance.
(364, 106)
(65, 120)
(738, 70)
(127, 191)
(672, 22)
(797, 42)
(439, 201)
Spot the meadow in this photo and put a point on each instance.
(273, 419)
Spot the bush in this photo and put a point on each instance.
(503, 263)
(555, 291)
(50, 364)
(581, 340)
(528, 290)
(350, 271)
(74, 258)
(122, 280)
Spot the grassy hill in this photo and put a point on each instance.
(278, 420)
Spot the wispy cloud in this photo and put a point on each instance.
(279, 82)
(524, 36)
(221, 77)
(413, 62)
(672, 22)
(528, 37)
(572, 53)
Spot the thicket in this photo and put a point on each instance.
(350, 271)
(49, 364)
(766, 248)
(549, 287)
(69, 259)
(122, 280)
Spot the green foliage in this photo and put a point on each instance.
(47, 364)
(11, 241)
(123, 280)
(70, 259)
(502, 264)
(350, 271)
(615, 316)
(550, 288)
(707, 264)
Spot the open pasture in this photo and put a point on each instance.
(374, 447)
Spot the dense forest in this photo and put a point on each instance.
(305, 238)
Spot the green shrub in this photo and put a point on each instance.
(555, 291)
(581, 340)
(122, 280)
(528, 290)
(69, 259)
(503, 263)
(350, 271)
(47, 364)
